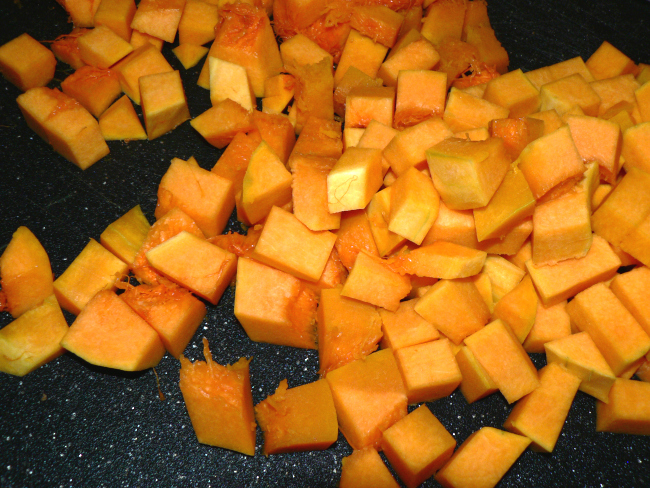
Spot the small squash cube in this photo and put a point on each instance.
(26, 63)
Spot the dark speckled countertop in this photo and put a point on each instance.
(71, 424)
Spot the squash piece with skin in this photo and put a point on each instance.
(219, 402)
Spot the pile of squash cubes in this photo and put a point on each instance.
(464, 217)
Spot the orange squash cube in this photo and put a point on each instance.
(551, 323)
(302, 418)
(94, 88)
(139, 39)
(541, 414)
(518, 308)
(378, 212)
(172, 311)
(353, 78)
(117, 16)
(66, 48)
(417, 55)
(364, 468)
(369, 397)
(553, 72)
(229, 80)
(441, 259)
(517, 133)
(194, 263)
(353, 236)
(354, 179)
(102, 48)
(421, 94)
(278, 92)
(515, 92)
(457, 226)
(417, 446)
(164, 105)
(566, 93)
(607, 62)
(464, 112)
(120, 122)
(301, 50)
(145, 60)
(314, 84)
(125, 236)
(26, 63)
(277, 131)
(32, 339)
(476, 383)
(274, 306)
(25, 272)
(378, 21)
(364, 104)
(504, 359)
(361, 52)
(159, 18)
(93, 270)
(189, 54)
(598, 140)
(232, 164)
(109, 333)
(630, 289)
(429, 370)
(220, 124)
(198, 22)
(627, 409)
(309, 192)
(219, 402)
(405, 327)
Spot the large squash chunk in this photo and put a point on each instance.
(26, 63)
(25, 272)
(109, 333)
(219, 402)
(298, 419)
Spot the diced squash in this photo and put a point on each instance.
(364, 468)
(125, 236)
(26, 63)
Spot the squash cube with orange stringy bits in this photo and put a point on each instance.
(145, 60)
(66, 48)
(117, 16)
(102, 48)
(405, 327)
(197, 23)
(417, 446)
(109, 333)
(120, 122)
(125, 236)
(309, 192)
(219, 402)
(517, 133)
(414, 205)
(244, 36)
(273, 306)
(354, 235)
(26, 63)
(354, 179)
(353, 78)
(219, 124)
(455, 308)
(540, 415)
(364, 468)
(441, 259)
(94, 88)
(372, 281)
(483, 459)
(25, 272)
(206, 197)
(171, 310)
(159, 18)
(277, 131)
(266, 183)
(314, 84)
(429, 370)
(369, 397)
(93, 270)
(278, 92)
(377, 21)
(319, 137)
(302, 418)
(65, 124)
(504, 359)
(476, 383)
(32, 339)
(347, 330)
(288, 245)
(421, 94)
(194, 263)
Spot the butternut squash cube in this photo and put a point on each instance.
(32, 339)
(266, 184)
(65, 124)
(444, 19)
(109, 333)
(94, 88)
(578, 354)
(551, 323)
(301, 50)
(455, 226)
(421, 94)
(172, 311)
(288, 245)
(309, 192)
(549, 161)
(25, 272)
(354, 179)
(361, 52)
(636, 140)
(194, 263)
(159, 18)
(627, 409)
(483, 459)
(607, 62)
(467, 173)
(117, 16)
(562, 281)
(219, 402)
(26, 63)
(455, 308)
(229, 80)
(139, 39)
(515, 92)
(314, 84)
(417, 446)
(220, 124)
(429, 370)
(417, 55)
(364, 104)
(204, 196)
(278, 91)
(164, 105)
(614, 330)
(517, 133)
(372, 281)
(120, 122)
(364, 468)
(102, 48)
(518, 308)
(125, 236)
(378, 21)
(189, 54)
(198, 22)
(504, 359)
(476, 383)
(274, 306)
(598, 140)
(369, 397)
(630, 288)
(553, 72)
(378, 212)
(464, 112)
(145, 60)
(93, 270)
(541, 414)
(441, 259)
(566, 93)
(405, 327)
(302, 418)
